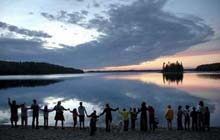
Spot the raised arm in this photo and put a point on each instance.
(9, 101)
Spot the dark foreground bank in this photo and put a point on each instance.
(8, 133)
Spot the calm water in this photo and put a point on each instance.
(118, 89)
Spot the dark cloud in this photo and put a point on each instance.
(23, 31)
(132, 34)
(139, 32)
(95, 4)
(63, 16)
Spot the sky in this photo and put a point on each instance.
(110, 35)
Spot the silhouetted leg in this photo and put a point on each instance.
(106, 125)
(12, 124)
(37, 122)
(16, 124)
(33, 121)
(25, 121)
(56, 124)
(22, 122)
(62, 124)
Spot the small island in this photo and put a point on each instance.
(173, 67)
(34, 68)
(208, 67)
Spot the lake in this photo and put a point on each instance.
(123, 90)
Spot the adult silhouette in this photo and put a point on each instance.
(14, 112)
(143, 121)
(108, 116)
(59, 114)
(82, 112)
(35, 114)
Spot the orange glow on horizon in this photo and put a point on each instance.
(189, 61)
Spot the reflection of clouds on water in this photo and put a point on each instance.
(96, 91)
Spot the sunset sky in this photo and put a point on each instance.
(114, 34)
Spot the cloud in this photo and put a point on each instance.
(139, 32)
(131, 34)
(96, 4)
(23, 31)
(63, 16)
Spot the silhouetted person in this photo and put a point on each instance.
(207, 118)
(187, 118)
(169, 117)
(201, 114)
(93, 121)
(14, 112)
(125, 116)
(35, 114)
(82, 112)
(59, 114)
(151, 118)
(133, 114)
(46, 115)
(75, 115)
(24, 115)
(194, 115)
(179, 118)
(143, 121)
(108, 116)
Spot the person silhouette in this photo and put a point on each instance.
(59, 114)
(93, 121)
(125, 115)
(35, 114)
(75, 115)
(108, 116)
(24, 115)
(169, 117)
(151, 118)
(14, 112)
(82, 112)
(143, 118)
(133, 114)
(46, 115)
(194, 116)
(187, 118)
(179, 118)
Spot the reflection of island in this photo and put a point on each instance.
(172, 77)
(4, 84)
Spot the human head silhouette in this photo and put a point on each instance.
(80, 103)
(34, 101)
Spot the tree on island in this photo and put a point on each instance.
(173, 67)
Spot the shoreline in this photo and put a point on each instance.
(8, 133)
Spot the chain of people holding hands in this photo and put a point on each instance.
(200, 116)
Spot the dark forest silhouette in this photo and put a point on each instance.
(208, 67)
(173, 67)
(24, 68)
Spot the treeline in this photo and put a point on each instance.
(173, 67)
(208, 67)
(24, 68)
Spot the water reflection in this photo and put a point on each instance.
(172, 78)
(4, 84)
(120, 90)
(210, 76)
